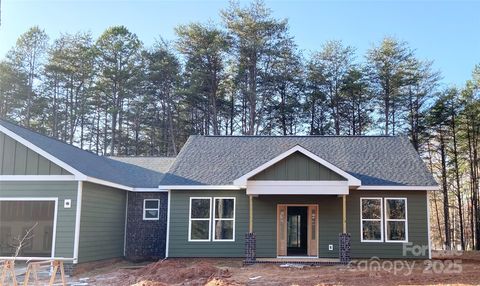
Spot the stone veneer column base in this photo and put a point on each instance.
(344, 247)
(250, 247)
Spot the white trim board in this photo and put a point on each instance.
(55, 218)
(198, 187)
(78, 215)
(34, 178)
(352, 181)
(297, 188)
(398, 188)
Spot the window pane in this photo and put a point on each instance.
(396, 230)
(151, 204)
(371, 230)
(200, 208)
(199, 229)
(224, 208)
(223, 229)
(395, 209)
(371, 209)
(151, 214)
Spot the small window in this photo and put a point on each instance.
(200, 217)
(396, 220)
(371, 219)
(224, 220)
(151, 209)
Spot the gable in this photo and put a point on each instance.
(17, 159)
(297, 167)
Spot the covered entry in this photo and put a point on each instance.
(297, 230)
(27, 226)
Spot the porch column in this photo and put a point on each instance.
(250, 239)
(344, 237)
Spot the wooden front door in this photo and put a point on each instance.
(297, 230)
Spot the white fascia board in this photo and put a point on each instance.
(199, 187)
(297, 188)
(37, 178)
(40, 151)
(352, 181)
(107, 183)
(398, 188)
(149, 190)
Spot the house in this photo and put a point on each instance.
(336, 197)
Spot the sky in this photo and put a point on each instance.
(446, 32)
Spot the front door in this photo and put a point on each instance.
(297, 230)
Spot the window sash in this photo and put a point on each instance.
(387, 220)
(145, 209)
(362, 220)
(223, 219)
(209, 219)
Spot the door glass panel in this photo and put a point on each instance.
(294, 226)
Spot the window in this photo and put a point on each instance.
(200, 218)
(396, 220)
(371, 220)
(151, 209)
(224, 219)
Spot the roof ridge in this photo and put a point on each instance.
(299, 136)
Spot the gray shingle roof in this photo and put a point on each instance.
(375, 160)
(157, 164)
(88, 163)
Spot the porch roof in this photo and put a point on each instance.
(374, 160)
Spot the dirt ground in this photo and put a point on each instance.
(445, 269)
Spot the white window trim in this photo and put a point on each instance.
(190, 219)
(226, 219)
(404, 220)
(145, 209)
(362, 219)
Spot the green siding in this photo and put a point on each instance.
(417, 224)
(298, 167)
(265, 226)
(65, 218)
(16, 159)
(102, 223)
(265, 222)
(178, 240)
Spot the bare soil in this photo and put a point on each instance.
(445, 269)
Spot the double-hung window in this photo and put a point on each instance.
(151, 209)
(396, 226)
(200, 219)
(371, 219)
(224, 219)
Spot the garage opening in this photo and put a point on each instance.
(27, 227)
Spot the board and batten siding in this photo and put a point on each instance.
(417, 225)
(298, 167)
(65, 232)
(102, 223)
(17, 159)
(179, 212)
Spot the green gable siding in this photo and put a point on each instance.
(179, 211)
(16, 159)
(102, 223)
(65, 218)
(298, 167)
(417, 224)
(265, 225)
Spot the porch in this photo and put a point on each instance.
(308, 229)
